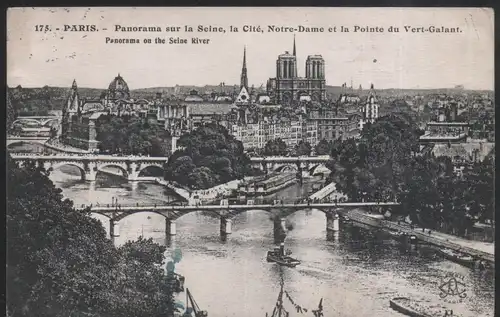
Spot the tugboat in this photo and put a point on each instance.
(277, 255)
(194, 306)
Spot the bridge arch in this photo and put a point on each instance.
(179, 214)
(121, 167)
(125, 215)
(45, 122)
(14, 141)
(283, 212)
(314, 170)
(27, 120)
(150, 167)
(287, 168)
(57, 166)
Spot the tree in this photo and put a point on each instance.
(11, 112)
(131, 135)
(60, 262)
(276, 147)
(209, 156)
(323, 147)
(303, 148)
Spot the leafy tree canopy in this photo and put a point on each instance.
(385, 164)
(303, 148)
(130, 135)
(275, 147)
(60, 262)
(209, 156)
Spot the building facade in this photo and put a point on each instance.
(292, 132)
(287, 86)
(369, 110)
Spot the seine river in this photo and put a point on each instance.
(232, 278)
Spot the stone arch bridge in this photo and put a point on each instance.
(39, 120)
(278, 212)
(310, 164)
(21, 140)
(89, 165)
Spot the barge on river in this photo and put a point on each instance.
(414, 308)
(267, 185)
(457, 257)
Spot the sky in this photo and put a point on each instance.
(386, 59)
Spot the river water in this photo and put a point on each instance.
(232, 278)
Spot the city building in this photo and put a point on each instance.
(256, 135)
(287, 86)
(445, 132)
(80, 115)
(331, 125)
(369, 110)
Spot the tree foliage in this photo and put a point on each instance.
(276, 147)
(11, 112)
(323, 147)
(209, 156)
(60, 263)
(385, 165)
(303, 148)
(130, 135)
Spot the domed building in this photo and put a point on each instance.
(81, 115)
(118, 89)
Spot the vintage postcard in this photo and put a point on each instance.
(250, 162)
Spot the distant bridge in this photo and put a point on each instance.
(23, 139)
(272, 163)
(89, 165)
(227, 212)
(288, 163)
(39, 120)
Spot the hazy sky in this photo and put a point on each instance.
(389, 60)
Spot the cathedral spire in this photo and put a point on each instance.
(74, 84)
(244, 76)
(294, 48)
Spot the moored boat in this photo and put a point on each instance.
(457, 257)
(414, 308)
(395, 234)
(277, 255)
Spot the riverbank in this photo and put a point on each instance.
(329, 192)
(55, 145)
(203, 196)
(483, 250)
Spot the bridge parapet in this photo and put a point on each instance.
(131, 166)
(226, 212)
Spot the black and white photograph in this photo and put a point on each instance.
(250, 162)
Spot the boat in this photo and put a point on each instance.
(457, 257)
(396, 235)
(277, 255)
(194, 306)
(415, 308)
